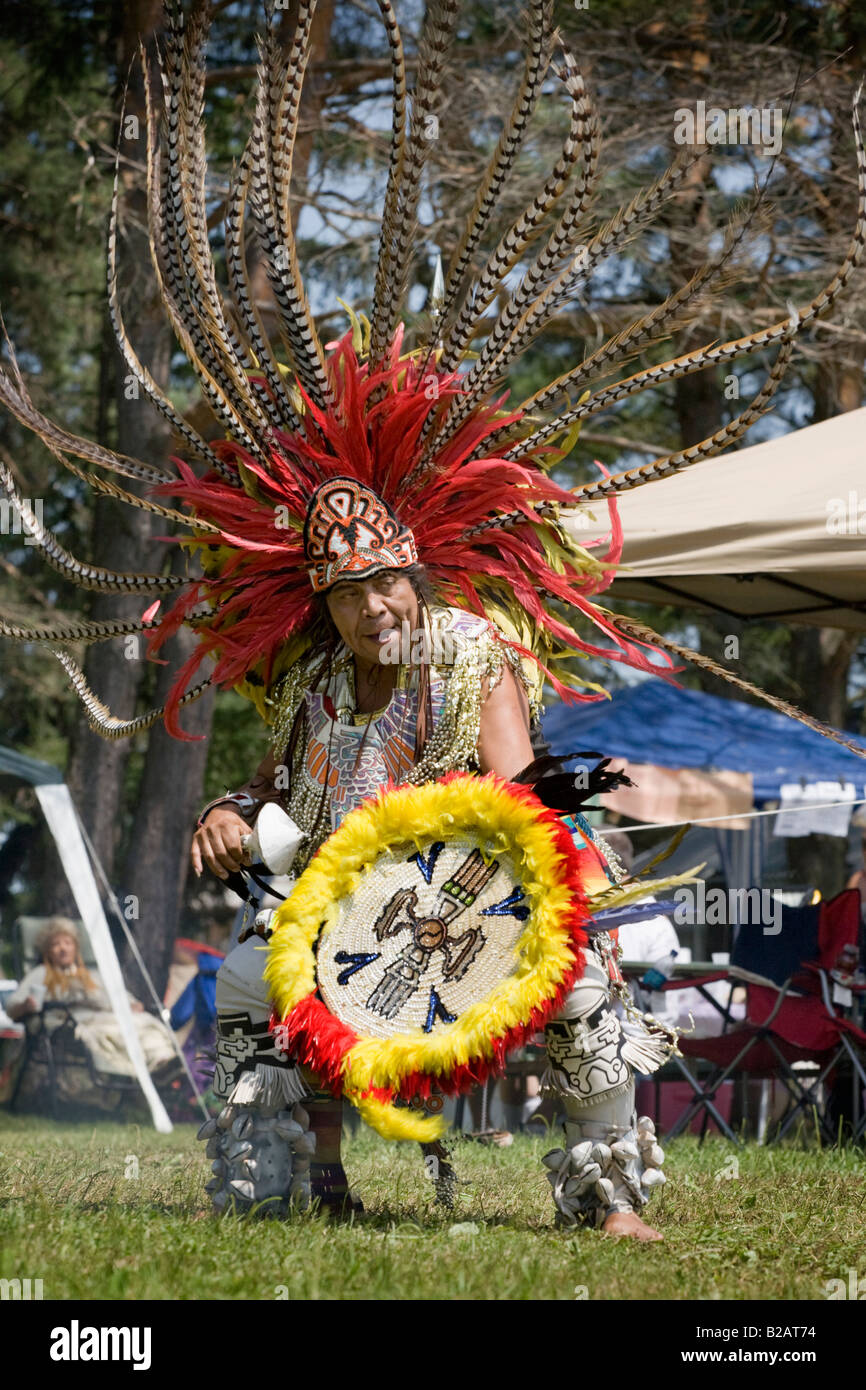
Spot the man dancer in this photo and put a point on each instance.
(348, 723)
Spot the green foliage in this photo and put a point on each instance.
(54, 202)
(54, 115)
(239, 741)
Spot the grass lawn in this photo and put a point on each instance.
(119, 1212)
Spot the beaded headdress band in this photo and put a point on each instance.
(350, 533)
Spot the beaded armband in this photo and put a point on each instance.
(242, 800)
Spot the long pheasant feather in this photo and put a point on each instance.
(100, 718)
(86, 632)
(642, 633)
(385, 260)
(277, 108)
(24, 410)
(529, 310)
(538, 56)
(183, 85)
(112, 489)
(154, 393)
(684, 458)
(78, 572)
(236, 265)
(439, 25)
(169, 274)
(581, 144)
(716, 355)
(672, 313)
(671, 463)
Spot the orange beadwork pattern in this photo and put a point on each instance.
(350, 532)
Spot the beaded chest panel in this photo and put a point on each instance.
(360, 759)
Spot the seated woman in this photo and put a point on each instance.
(63, 978)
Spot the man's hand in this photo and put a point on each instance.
(217, 843)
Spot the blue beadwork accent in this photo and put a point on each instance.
(356, 960)
(508, 907)
(578, 819)
(429, 864)
(437, 1010)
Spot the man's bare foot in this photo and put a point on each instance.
(626, 1223)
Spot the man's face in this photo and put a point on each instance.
(367, 612)
(61, 951)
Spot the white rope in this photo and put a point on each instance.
(735, 815)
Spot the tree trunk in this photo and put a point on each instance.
(122, 536)
(154, 872)
(169, 799)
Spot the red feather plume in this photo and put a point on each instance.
(255, 574)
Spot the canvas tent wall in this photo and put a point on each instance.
(60, 813)
(776, 531)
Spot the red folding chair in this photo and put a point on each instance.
(787, 1022)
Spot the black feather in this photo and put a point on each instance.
(568, 791)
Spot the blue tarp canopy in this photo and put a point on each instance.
(653, 722)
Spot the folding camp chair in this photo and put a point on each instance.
(50, 1045)
(52, 1053)
(790, 1017)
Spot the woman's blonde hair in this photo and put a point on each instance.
(57, 981)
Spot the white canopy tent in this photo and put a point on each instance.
(776, 531)
(62, 817)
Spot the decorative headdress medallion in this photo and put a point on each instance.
(350, 533)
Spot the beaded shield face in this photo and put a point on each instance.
(432, 933)
(428, 933)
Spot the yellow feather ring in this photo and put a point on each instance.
(536, 929)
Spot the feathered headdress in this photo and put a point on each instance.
(426, 431)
